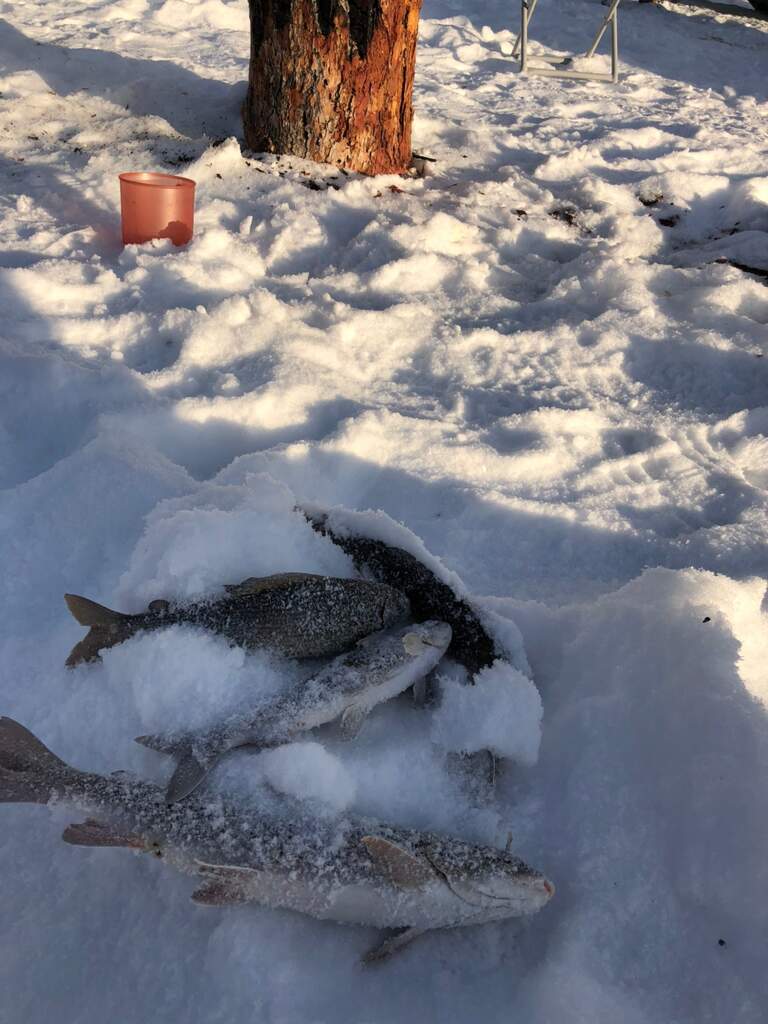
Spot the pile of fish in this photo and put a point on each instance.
(353, 870)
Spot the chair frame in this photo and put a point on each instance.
(556, 65)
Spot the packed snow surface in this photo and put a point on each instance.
(541, 368)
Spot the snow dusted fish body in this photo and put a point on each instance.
(301, 615)
(353, 871)
(378, 668)
(430, 598)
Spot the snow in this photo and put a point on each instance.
(550, 392)
(501, 713)
(308, 771)
(184, 679)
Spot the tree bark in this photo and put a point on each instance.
(332, 81)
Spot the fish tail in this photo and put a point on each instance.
(89, 613)
(191, 766)
(107, 628)
(189, 773)
(29, 771)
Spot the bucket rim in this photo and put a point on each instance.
(158, 180)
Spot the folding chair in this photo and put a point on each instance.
(558, 66)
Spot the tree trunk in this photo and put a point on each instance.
(332, 80)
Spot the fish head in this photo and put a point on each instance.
(492, 883)
(420, 638)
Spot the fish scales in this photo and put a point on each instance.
(380, 667)
(353, 870)
(301, 615)
(430, 598)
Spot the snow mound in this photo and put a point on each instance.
(208, 13)
(192, 546)
(501, 712)
(309, 772)
(185, 679)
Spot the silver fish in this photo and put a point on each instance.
(353, 870)
(299, 614)
(378, 668)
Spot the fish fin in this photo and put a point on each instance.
(351, 721)
(260, 584)
(218, 894)
(225, 883)
(397, 865)
(162, 743)
(188, 775)
(89, 647)
(29, 771)
(392, 944)
(107, 628)
(97, 833)
(89, 613)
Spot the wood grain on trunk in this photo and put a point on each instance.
(332, 81)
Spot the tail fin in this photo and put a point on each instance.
(89, 613)
(29, 772)
(189, 773)
(191, 766)
(107, 628)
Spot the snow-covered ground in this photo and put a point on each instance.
(540, 358)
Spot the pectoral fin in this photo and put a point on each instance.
(392, 944)
(397, 865)
(97, 833)
(352, 721)
(225, 884)
(218, 894)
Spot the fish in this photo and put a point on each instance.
(300, 615)
(379, 667)
(430, 598)
(351, 870)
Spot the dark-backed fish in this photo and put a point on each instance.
(430, 598)
(298, 614)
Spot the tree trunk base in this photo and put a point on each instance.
(333, 82)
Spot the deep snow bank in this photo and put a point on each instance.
(534, 359)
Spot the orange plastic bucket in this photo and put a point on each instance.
(156, 206)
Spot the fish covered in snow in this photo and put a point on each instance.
(301, 615)
(378, 668)
(430, 598)
(351, 870)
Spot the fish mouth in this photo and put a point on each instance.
(538, 887)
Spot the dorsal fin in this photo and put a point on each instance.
(397, 865)
(260, 584)
(89, 613)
